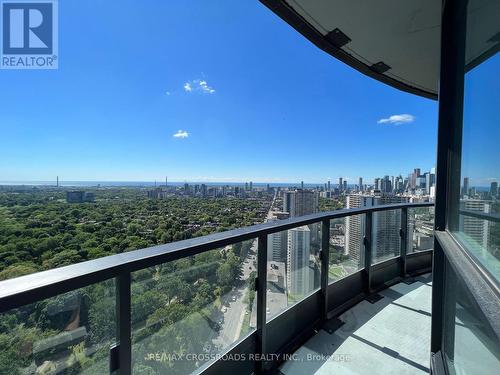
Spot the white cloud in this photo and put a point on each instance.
(181, 134)
(199, 85)
(168, 93)
(397, 119)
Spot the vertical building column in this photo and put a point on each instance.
(450, 112)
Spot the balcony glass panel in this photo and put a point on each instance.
(480, 167)
(420, 229)
(346, 246)
(470, 344)
(481, 237)
(186, 312)
(67, 334)
(293, 267)
(386, 241)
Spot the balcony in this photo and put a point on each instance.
(349, 288)
(134, 312)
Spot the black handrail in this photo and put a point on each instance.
(27, 289)
(481, 215)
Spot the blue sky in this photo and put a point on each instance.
(252, 99)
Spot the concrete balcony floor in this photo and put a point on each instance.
(390, 336)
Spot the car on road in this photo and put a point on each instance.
(224, 309)
(234, 298)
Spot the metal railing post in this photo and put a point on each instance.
(325, 260)
(261, 285)
(367, 241)
(123, 323)
(403, 233)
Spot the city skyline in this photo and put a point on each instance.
(414, 178)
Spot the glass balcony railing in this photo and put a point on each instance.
(296, 272)
(386, 241)
(227, 300)
(346, 246)
(420, 229)
(71, 332)
(206, 306)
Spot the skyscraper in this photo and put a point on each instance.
(341, 185)
(406, 184)
(300, 202)
(399, 184)
(298, 275)
(413, 179)
(433, 177)
(430, 180)
(360, 184)
(494, 189)
(465, 187)
(386, 185)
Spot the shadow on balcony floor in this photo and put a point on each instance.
(390, 336)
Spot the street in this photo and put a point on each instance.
(233, 312)
(234, 315)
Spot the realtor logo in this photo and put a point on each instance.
(29, 34)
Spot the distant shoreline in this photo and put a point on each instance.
(173, 183)
(150, 184)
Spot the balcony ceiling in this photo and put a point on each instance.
(396, 42)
